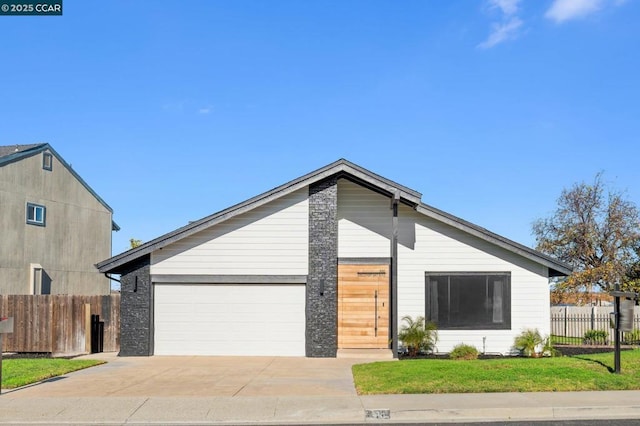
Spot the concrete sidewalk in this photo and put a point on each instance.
(320, 409)
(208, 390)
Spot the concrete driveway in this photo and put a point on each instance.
(224, 390)
(176, 376)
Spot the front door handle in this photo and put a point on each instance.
(376, 313)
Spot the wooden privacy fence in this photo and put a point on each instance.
(60, 324)
(570, 323)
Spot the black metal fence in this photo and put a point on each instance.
(588, 326)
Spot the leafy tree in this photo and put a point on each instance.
(596, 230)
(134, 243)
(632, 282)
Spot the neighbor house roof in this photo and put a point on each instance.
(12, 153)
(8, 150)
(341, 169)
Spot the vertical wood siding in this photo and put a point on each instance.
(56, 324)
(269, 240)
(364, 222)
(428, 245)
(363, 306)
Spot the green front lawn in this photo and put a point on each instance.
(579, 373)
(23, 371)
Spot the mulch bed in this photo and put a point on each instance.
(565, 350)
(568, 350)
(446, 356)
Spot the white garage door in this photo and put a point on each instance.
(234, 319)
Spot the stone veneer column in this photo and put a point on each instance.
(136, 309)
(322, 282)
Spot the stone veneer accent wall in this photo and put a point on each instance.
(136, 309)
(322, 309)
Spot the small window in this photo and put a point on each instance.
(36, 214)
(469, 301)
(47, 161)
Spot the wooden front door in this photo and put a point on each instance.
(363, 306)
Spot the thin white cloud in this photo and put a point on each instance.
(565, 10)
(508, 7)
(507, 28)
(502, 32)
(205, 110)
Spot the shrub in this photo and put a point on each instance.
(418, 335)
(595, 337)
(632, 337)
(463, 351)
(527, 342)
(548, 349)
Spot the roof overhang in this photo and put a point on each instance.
(340, 169)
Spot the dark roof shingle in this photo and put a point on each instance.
(13, 149)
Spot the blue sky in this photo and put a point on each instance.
(174, 110)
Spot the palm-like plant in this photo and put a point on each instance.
(418, 335)
(528, 341)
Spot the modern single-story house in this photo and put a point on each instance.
(331, 260)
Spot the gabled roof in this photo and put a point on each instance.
(12, 153)
(341, 169)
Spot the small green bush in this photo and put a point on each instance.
(632, 337)
(595, 337)
(463, 351)
(548, 349)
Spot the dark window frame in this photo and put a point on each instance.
(34, 221)
(459, 325)
(47, 161)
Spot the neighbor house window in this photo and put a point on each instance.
(468, 301)
(47, 161)
(36, 214)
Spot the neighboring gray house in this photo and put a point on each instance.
(54, 227)
(332, 260)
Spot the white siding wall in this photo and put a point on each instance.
(269, 240)
(438, 247)
(364, 222)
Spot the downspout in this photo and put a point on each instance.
(394, 274)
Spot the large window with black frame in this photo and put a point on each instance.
(469, 300)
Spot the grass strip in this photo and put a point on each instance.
(578, 373)
(23, 371)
